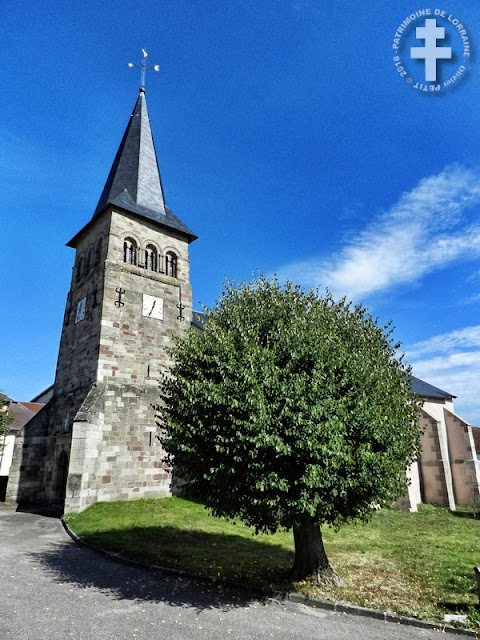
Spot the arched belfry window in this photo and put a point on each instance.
(130, 251)
(89, 263)
(98, 252)
(151, 258)
(171, 264)
(80, 268)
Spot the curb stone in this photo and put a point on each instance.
(339, 606)
(386, 616)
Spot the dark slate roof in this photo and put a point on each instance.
(425, 390)
(134, 182)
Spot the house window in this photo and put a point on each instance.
(130, 251)
(171, 264)
(151, 258)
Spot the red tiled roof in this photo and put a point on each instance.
(33, 406)
(21, 412)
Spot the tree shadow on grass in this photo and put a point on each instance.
(453, 607)
(84, 567)
(469, 515)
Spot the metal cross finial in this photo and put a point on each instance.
(143, 66)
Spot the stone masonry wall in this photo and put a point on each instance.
(462, 460)
(116, 453)
(79, 344)
(133, 346)
(434, 487)
(100, 417)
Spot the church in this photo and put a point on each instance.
(97, 437)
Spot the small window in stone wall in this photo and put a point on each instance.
(89, 263)
(151, 258)
(171, 264)
(130, 251)
(80, 268)
(98, 252)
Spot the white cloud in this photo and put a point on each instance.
(447, 342)
(423, 232)
(474, 298)
(451, 361)
(420, 233)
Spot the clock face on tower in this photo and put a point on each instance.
(81, 306)
(152, 307)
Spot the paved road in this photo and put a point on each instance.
(51, 588)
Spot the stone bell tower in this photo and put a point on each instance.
(130, 293)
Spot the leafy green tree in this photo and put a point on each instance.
(290, 411)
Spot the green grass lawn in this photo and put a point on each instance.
(418, 564)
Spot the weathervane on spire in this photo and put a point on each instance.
(143, 66)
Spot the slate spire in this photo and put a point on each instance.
(134, 182)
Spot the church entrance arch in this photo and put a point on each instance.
(61, 479)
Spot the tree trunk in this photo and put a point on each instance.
(311, 562)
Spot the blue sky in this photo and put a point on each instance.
(287, 139)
